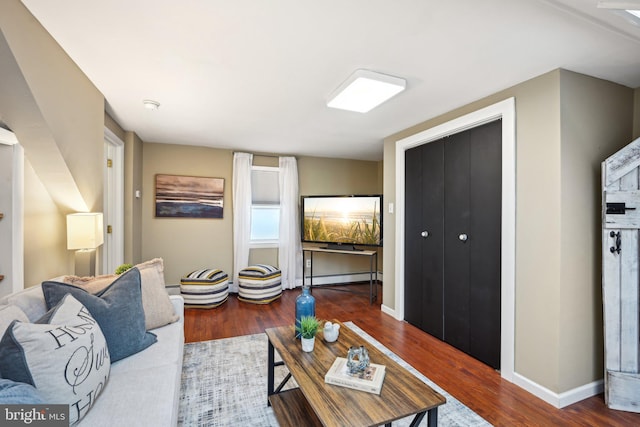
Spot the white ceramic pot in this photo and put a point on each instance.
(308, 343)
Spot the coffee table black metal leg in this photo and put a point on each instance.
(432, 418)
(371, 280)
(432, 421)
(270, 371)
(417, 419)
(271, 365)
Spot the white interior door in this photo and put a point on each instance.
(113, 249)
(12, 210)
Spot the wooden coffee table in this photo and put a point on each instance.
(315, 403)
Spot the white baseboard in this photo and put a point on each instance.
(559, 400)
(390, 311)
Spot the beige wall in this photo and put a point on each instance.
(188, 244)
(596, 121)
(70, 105)
(326, 176)
(113, 126)
(45, 238)
(553, 173)
(322, 175)
(133, 180)
(58, 116)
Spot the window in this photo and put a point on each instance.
(265, 206)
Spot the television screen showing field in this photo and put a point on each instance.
(351, 220)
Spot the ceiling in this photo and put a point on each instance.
(255, 75)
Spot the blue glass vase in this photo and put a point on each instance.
(305, 306)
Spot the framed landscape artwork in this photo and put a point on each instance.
(189, 196)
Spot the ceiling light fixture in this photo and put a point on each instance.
(365, 90)
(151, 104)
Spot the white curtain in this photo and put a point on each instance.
(241, 214)
(289, 246)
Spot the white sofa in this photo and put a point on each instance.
(143, 389)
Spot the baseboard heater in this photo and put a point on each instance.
(341, 279)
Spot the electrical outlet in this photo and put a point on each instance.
(308, 263)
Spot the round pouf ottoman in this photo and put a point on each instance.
(207, 288)
(259, 284)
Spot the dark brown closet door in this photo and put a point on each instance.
(485, 243)
(472, 237)
(452, 276)
(424, 223)
(456, 261)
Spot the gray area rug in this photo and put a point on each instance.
(224, 383)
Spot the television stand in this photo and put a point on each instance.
(341, 247)
(373, 288)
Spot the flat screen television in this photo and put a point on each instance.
(342, 222)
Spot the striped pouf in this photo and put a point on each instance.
(259, 284)
(207, 288)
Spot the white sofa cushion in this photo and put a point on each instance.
(144, 389)
(167, 350)
(141, 397)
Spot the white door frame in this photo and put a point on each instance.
(506, 111)
(113, 249)
(17, 224)
(14, 271)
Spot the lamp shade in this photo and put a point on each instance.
(84, 230)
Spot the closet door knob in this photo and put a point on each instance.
(425, 234)
(463, 237)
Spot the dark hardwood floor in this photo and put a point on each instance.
(470, 381)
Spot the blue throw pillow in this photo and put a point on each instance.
(14, 393)
(117, 309)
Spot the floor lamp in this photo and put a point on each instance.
(85, 234)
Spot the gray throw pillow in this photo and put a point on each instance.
(117, 308)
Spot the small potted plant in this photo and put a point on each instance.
(308, 328)
(122, 268)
